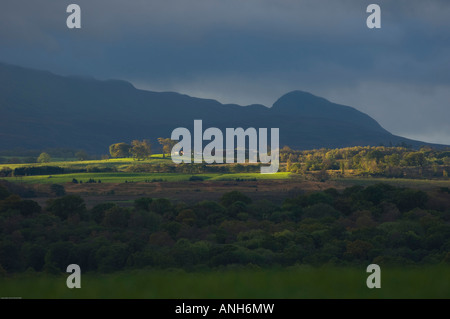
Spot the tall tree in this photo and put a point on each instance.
(66, 206)
(140, 149)
(120, 150)
(44, 158)
(81, 155)
(167, 145)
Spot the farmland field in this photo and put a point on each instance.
(90, 170)
(113, 162)
(122, 177)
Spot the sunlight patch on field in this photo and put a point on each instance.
(154, 159)
(122, 177)
(250, 176)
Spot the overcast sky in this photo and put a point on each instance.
(253, 51)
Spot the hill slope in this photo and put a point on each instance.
(40, 109)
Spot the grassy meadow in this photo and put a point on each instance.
(120, 175)
(119, 163)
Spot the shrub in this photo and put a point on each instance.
(196, 178)
(234, 196)
(57, 190)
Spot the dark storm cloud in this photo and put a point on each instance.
(253, 51)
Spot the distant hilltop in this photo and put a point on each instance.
(42, 110)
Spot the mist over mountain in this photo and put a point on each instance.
(40, 110)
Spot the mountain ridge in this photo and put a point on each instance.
(41, 109)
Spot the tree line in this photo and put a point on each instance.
(375, 161)
(139, 149)
(359, 225)
(33, 156)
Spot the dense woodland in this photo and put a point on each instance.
(370, 161)
(357, 226)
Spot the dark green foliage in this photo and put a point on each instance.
(357, 226)
(320, 210)
(161, 206)
(60, 255)
(67, 206)
(10, 256)
(264, 208)
(143, 203)
(237, 208)
(6, 172)
(29, 207)
(98, 211)
(377, 193)
(116, 217)
(209, 213)
(10, 203)
(195, 178)
(112, 257)
(318, 198)
(172, 228)
(98, 169)
(4, 192)
(34, 256)
(308, 200)
(149, 221)
(38, 170)
(234, 196)
(408, 199)
(57, 190)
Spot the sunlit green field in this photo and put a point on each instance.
(298, 282)
(113, 162)
(122, 177)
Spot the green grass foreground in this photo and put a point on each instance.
(292, 283)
